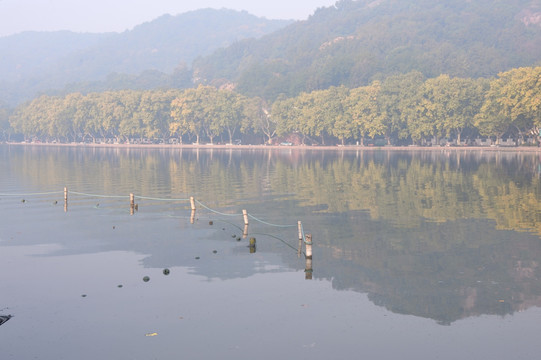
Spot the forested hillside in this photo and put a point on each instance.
(153, 54)
(356, 42)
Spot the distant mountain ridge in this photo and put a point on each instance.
(32, 62)
(355, 42)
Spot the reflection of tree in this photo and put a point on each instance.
(403, 188)
(474, 270)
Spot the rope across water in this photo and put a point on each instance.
(153, 199)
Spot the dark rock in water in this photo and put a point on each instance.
(4, 318)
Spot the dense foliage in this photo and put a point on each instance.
(402, 109)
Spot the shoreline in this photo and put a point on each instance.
(533, 149)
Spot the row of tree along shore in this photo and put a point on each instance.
(405, 109)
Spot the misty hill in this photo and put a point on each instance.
(355, 42)
(31, 62)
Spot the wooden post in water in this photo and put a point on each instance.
(245, 214)
(308, 270)
(132, 203)
(192, 205)
(252, 245)
(300, 240)
(65, 199)
(245, 233)
(308, 244)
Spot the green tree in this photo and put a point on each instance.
(514, 99)
(5, 127)
(259, 118)
(196, 111)
(336, 120)
(363, 108)
(396, 99)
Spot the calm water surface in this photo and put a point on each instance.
(417, 255)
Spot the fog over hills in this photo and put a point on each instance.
(351, 43)
(32, 62)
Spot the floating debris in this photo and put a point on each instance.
(214, 251)
(197, 258)
(23, 201)
(146, 279)
(119, 286)
(166, 271)
(4, 318)
(151, 334)
(84, 295)
(211, 223)
(55, 202)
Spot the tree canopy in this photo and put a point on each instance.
(402, 109)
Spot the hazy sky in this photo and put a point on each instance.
(118, 15)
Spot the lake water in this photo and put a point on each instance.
(417, 255)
